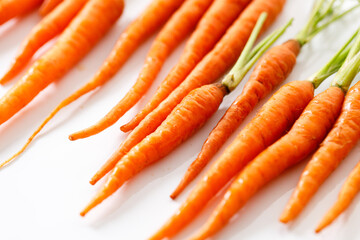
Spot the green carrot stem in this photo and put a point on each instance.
(323, 15)
(334, 64)
(347, 73)
(249, 56)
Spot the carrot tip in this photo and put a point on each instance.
(93, 181)
(71, 138)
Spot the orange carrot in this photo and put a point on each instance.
(139, 30)
(336, 146)
(48, 28)
(190, 114)
(160, 143)
(210, 29)
(334, 149)
(48, 6)
(76, 41)
(347, 194)
(15, 8)
(254, 138)
(271, 70)
(176, 29)
(208, 70)
(303, 138)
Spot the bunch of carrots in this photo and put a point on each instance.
(223, 36)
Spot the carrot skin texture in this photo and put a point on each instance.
(253, 139)
(272, 69)
(48, 28)
(14, 8)
(177, 28)
(48, 5)
(212, 26)
(71, 47)
(185, 119)
(336, 146)
(347, 194)
(304, 137)
(129, 41)
(212, 67)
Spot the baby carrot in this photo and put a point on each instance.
(15, 8)
(154, 16)
(347, 194)
(48, 5)
(254, 138)
(190, 114)
(341, 139)
(207, 71)
(212, 26)
(175, 30)
(141, 155)
(48, 28)
(271, 70)
(274, 118)
(76, 41)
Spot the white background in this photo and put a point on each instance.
(43, 191)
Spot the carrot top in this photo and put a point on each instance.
(350, 68)
(336, 62)
(324, 13)
(250, 55)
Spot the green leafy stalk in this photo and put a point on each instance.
(250, 55)
(334, 64)
(324, 13)
(350, 68)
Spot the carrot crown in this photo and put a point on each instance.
(345, 53)
(324, 13)
(251, 54)
(350, 68)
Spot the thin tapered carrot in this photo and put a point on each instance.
(341, 139)
(271, 70)
(14, 8)
(274, 118)
(207, 71)
(347, 194)
(176, 29)
(48, 5)
(303, 138)
(153, 17)
(48, 28)
(89, 26)
(211, 27)
(125, 167)
(254, 138)
(190, 114)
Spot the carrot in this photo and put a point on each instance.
(15, 8)
(274, 118)
(254, 138)
(190, 114)
(347, 194)
(48, 6)
(48, 28)
(303, 138)
(211, 27)
(160, 143)
(71, 47)
(271, 70)
(154, 16)
(341, 139)
(176, 29)
(207, 71)
(234, 47)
